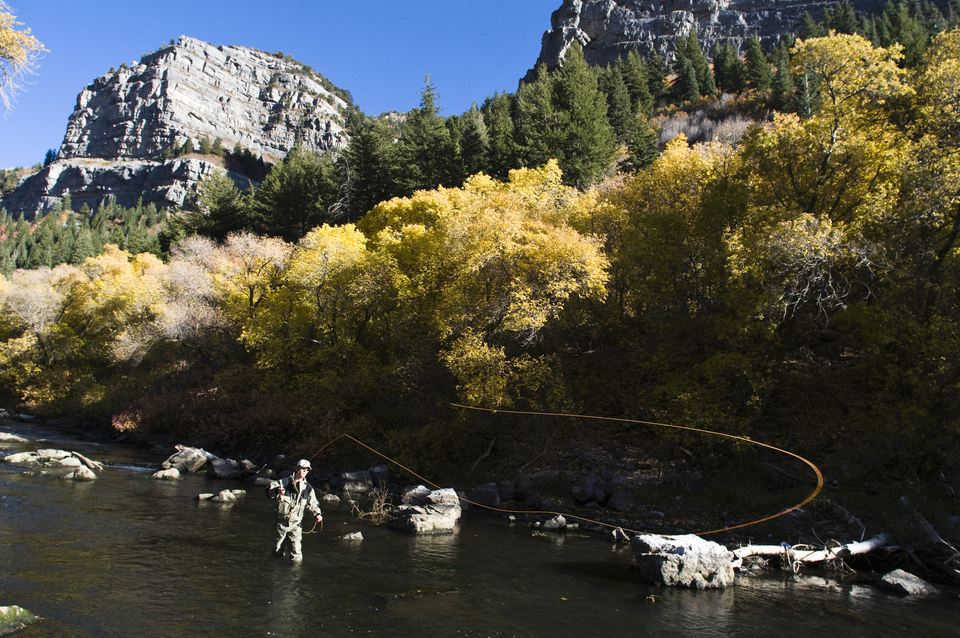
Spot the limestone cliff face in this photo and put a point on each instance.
(191, 90)
(608, 29)
(125, 120)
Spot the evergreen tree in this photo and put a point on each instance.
(83, 245)
(371, 169)
(642, 144)
(842, 18)
(810, 28)
(728, 68)
(296, 196)
(701, 66)
(783, 85)
(425, 149)
(50, 157)
(685, 87)
(657, 71)
(474, 143)
(206, 148)
(498, 118)
(537, 127)
(586, 142)
(619, 107)
(637, 79)
(758, 73)
(220, 209)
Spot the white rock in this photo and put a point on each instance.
(683, 561)
(903, 582)
(82, 473)
(355, 536)
(171, 474)
(22, 458)
(225, 496)
(70, 461)
(6, 437)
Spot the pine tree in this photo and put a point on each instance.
(728, 68)
(783, 85)
(425, 148)
(371, 167)
(619, 107)
(537, 127)
(657, 71)
(637, 79)
(809, 28)
(694, 53)
(642, 144)
(474, 143)
(685, 87)
(498, 117)
(295, 196)
(83, 245)
(759, 76)
(586, 141)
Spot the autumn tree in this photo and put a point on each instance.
(19, 50)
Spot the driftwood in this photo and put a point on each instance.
(805, 554)
(938, 555)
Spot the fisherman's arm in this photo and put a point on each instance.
(314, 506)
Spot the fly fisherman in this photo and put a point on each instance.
(292, 496)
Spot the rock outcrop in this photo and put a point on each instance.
(426, 512)
(683, 561)
(128, 120)
(608, 29)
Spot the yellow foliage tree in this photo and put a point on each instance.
(488, 266)
(18, 53)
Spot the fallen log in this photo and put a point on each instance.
(806, 554)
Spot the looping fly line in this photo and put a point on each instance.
(742, 439)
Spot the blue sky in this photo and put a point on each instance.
(379, 50)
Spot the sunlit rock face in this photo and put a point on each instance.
(191, 90)
(128, 122)
(608, 29)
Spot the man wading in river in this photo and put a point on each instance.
(292, 496)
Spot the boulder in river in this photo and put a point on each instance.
(82, 473)
(355, 536)
(6, 437)
(683, 561)
(170, 474)
(223, 469)
(13, 618)
(903, 582)
(22, 458)
(187, 459)
(438, 515)
(225, 496)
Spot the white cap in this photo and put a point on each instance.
(303, 463)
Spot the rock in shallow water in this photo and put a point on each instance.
(438, 514)
(82, 473)
(683, 561)
(903, 582)
(171, 474)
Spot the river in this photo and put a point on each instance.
(129, 556)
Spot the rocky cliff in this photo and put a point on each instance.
(128, 121)
(608, 29)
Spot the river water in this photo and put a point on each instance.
(129, 556)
